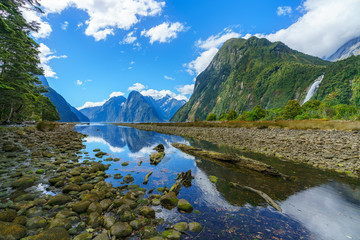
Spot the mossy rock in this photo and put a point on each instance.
(181, 226)
(185, 206)
(171, 234)
(57, 233)
(124, 164)
(36, 222)
(23, 182)
(40, 171)
(128, 179)
(117, 176)
(147, 211)
(59, 199)
(60, 222)
(11, 231)
(83, 236)
(169, 200)
(195, 227)
(8, 215)
(155, 158)
(213, 179)
(71, 188)
(81, 207)
(121, 229)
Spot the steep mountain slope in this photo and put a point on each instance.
(137, 108)
(67, 112)
(110, 110)
(351, 48)
(246, 73)
(169, 106)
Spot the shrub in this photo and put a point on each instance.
(232, 115)
(211, 117)
(223, 116)
(291, 110)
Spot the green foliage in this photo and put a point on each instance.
(211, 117)
(20, 92)
(343, 111)
(256, 114)
(223, 116)
(291, 110)
(232, 115)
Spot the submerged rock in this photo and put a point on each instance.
(195, 227)
(155, 158)
(185, 206)
(181, 226)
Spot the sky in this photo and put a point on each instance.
(92, 50)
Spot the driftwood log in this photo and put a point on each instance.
(233, 159)
(260, 193)
(183, 178)
(146, 179)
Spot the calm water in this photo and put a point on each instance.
(317, 205)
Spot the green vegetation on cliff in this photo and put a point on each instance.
(20, 92)
(256, 72)
(246, 73)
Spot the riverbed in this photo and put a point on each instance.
(316, 205)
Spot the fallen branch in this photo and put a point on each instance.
(183, 178)
(233, 159)
(260, 193)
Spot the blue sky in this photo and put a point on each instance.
(94, 49)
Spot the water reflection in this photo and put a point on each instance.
(313, 207)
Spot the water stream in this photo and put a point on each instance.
(314, 87)
(318, 205)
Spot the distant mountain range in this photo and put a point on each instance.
(136, 108)
(246, 73)
(67, 112)
(351, 48)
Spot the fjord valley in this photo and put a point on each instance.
(142, 120)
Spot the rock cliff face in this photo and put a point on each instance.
(351, 48)
(246, 73)
(136, 108)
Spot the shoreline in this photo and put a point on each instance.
(325, 149)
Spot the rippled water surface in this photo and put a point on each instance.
(317, 205)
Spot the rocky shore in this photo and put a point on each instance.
(47, 192)
(325, 149)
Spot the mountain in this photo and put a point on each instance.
(67, 112)
(136, 108)
(350, 48)
(246, 73)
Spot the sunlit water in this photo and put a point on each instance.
(316, 206)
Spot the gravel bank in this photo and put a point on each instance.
(333, 150)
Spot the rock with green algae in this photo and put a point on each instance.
(59, 199)
(36, 222)
(8, 215)
(128, 179)
(81, 207)
(185, 206)
(23, 182)
(57, 233)
(195, 227)
(213, 179)
(102, 236)
(40, 171)
(124, 164)
(169, 200)
(109, 221)
(11, 231)
(147, 211)
(71, 187)
(172, 234)
(121, 229)
(117, 176)
(83, 236)
(94, 219)
(181, 226)
(60, 222)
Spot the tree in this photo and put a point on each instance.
(19, 64)
(211, 117)
(291, 110)
(232, 115)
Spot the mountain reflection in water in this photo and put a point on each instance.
(317, 205)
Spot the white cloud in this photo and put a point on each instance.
(129, 39)
(164, 32)
(325, 26)
(209, 48)
(78, 82)
(169, 78)
(99, 104)
(33, 16)
(80, 25)
(64, 25)
(186, 89)
(132, 63)
(107, 15)
(45, 56)
(136, 87)
(116, 94)
(156, 94)
(283, 10)
(91, 104)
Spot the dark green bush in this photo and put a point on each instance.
(211, 117)
(46, 126)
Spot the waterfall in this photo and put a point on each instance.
(314, 87)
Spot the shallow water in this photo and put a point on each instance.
(318, 205)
